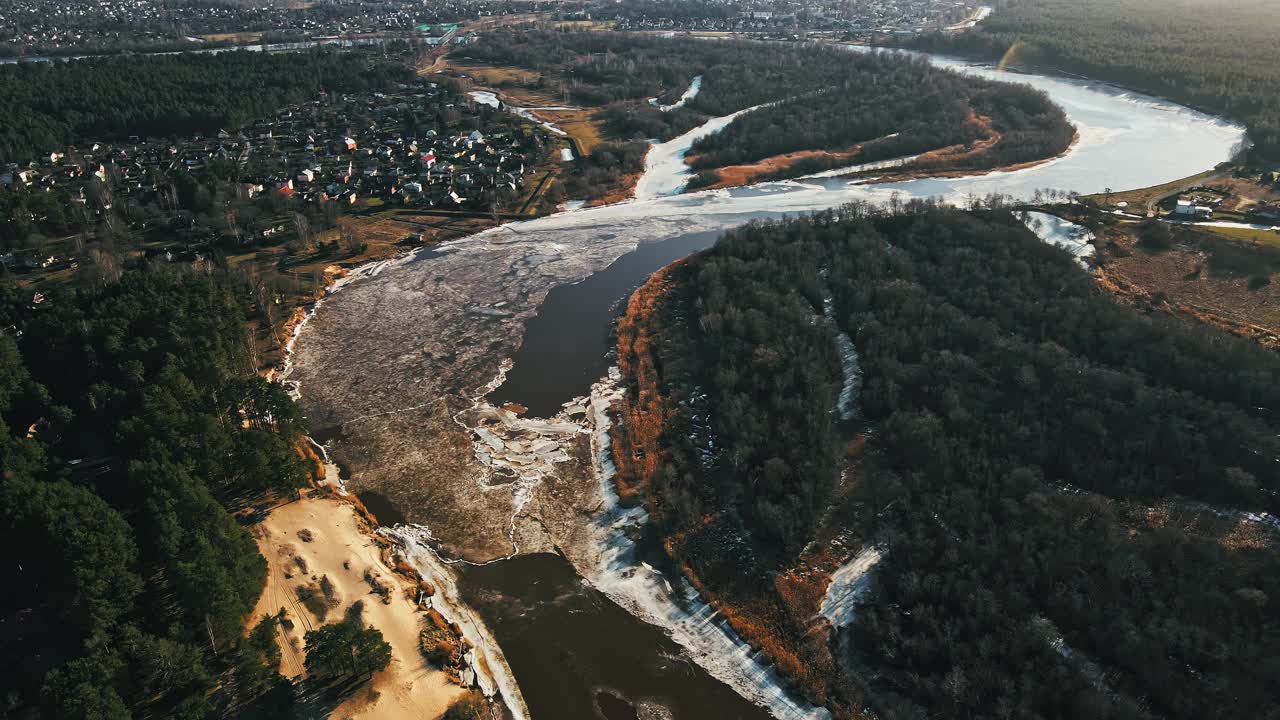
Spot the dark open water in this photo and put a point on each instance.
(567, 344)
(578, 656)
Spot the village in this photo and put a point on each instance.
(62, 27)
(349, 152)
(68, 27)
(864, 18)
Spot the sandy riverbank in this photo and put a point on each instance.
(343, 548)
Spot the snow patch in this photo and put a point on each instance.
(1262, 519)
(848, 583)
(850, 369)
(1049, 632)
(851, 169)
(484, 97)
(694, 88)
(1075, 239)
(665, 172)
(487, 665)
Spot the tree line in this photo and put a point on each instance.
(1222, 59)
(903, 110)
(130, 421)
(1036, 470)
(51, 105)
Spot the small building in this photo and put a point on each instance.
(1187, 210)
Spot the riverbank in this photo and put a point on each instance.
(897, 176)
(781, 619)
(642, 410)
(325, 548)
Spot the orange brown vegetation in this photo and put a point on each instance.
(779, 617)
(1181, 282)
(955, 153)
(304, 450)
(954, 160)
(442, 644)
(635, 441)
(624, 189)
(736, 175)
(1229, 532)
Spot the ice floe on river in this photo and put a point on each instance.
(613, 566)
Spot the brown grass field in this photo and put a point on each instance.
(519, 87)
(1246, 235)
(1185, 280)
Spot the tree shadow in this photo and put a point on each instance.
(306, 700)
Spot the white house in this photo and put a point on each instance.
(1184, 208)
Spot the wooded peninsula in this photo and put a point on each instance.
(1054, 480)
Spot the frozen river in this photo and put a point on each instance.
(396, 367)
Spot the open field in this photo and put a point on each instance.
(235, 37)
(1238, 191)
(1207, 275)
(1258, 237)
(579, 124)
(493, 21)
(594, 25)
(520, 87)
(513, 80)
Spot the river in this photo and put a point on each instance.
(566, 345)
(397, 367)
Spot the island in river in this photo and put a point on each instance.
(396, 366)
(791, 111)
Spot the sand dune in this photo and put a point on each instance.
(341, 548)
